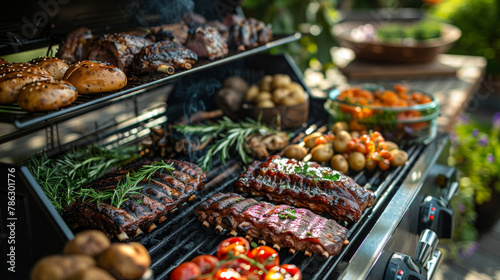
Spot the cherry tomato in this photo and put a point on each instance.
(274, 274)
(385, 154)
(361, 148)
(266, 256)
(207, 263)
(186, 271)
(352, 145)
(320, 140)
(384, 164)
(226, 274)
(377, 136)
(291, 270)
(234, 246)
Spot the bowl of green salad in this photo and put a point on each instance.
(393, 42)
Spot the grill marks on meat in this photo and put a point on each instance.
(206, 41)
(163, 193)
(285, 180)
(75, 46)
(164, 53)
(283, 225)
(177, 32)
(117, 49)
(247, 33)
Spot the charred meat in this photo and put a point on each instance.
(177, 32)
(75, 46)
(282, 225)
(206, 41)
(163, 193)
(118, 49)
(247, 33)
(309, 185)
(165, 54)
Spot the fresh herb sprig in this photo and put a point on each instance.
(127, 187)
(288, 214)
(311, 172)
(230, 136)
(62, 177)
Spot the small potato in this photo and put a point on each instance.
(298, 96)
(389, 145)
(355, 134)
(341, 140)
(265, 83)
(280, 94)
(370, 164)
(61, 267)
(295, 151)
(265, 104)
(309, 139)
(322, 153)
(125, 261)
(293, 86)
(357, 161)
(339, 126)
(263, 96)
(93, 273)
(339, 163)
(399, 157)
(236, 83)
(252, 93)
(88, 242)
(281, 80)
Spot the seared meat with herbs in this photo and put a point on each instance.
(162, 193)
(309, 185)
(165, 54)
(75, 46)
(206, 41)
(282, 225)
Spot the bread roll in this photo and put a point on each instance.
(55, 66)
(12, 82)
(24, 68)
(94, 77)
(46, 96)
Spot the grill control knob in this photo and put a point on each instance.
(436, 214)
(422, 266)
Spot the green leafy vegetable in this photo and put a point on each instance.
(287, 214)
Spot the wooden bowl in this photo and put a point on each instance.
(411, 51)
(286, 116)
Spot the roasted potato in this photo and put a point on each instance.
(89, 242)
(93, 273)
(399, 157)
(341, 140)
(264, 95)
(125, 261)
(252, 93)
(357, 161)
(265, 104)
(322, 152)
(295, 151)
(339, 126)
(280, 81)
(265, 83)
(46, 96)
(95, 77)
(293, 86)
(339, 163)
(61, 267)
(280, 94)
(55, 66)
(236, 83)
(370, 164)
(294, 98)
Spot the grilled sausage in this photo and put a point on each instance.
(46, 96)
(53, 65)
(12, 82)
(94, 77)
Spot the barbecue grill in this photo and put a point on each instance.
(394, 239)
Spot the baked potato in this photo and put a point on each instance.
(95, 77)
(46, 96)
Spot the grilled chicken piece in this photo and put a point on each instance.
(177, 32)
(283, 225)
(206, 41)
(118, 49)
(163, 193)
(164, 54)
(247, 33)
(309, 185)
(75, 46)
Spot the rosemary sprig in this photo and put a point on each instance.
(230, 136)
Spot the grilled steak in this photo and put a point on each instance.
(177, 32)
(163, 193)
(206, 41)
(247, 33)
(283, 225)
(117, 49)
(164, 53)
(309, 185)
(75, 46)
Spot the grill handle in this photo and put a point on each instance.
(426, 246)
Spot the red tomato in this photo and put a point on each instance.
(234, 246)
(361, 148)
(266, 256)
(186, 271)
(275, 274)
(352, 145)
(207, 263)
(377, 136)
(385, 154)
(384, 164)
(320, 140)
(292, 270)
(226, 274)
